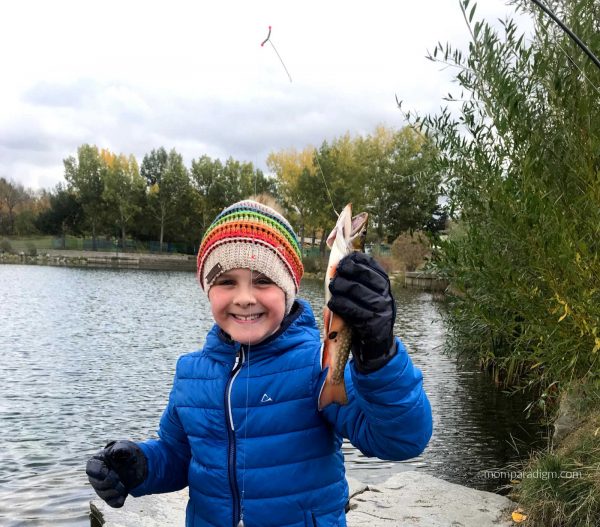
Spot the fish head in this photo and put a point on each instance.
(358, 231)
(342, 232)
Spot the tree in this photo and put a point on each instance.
(153, 166)
(168, 179)
(301, 188)
(341, 181)
(85, 178)
(64, 215)
(389, 174)
(124, 189)
(205, 174)
(218, 185)
(408, 186)
(27, 211)
(11, 196)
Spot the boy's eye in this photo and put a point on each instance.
(263, 280)
(224, 281)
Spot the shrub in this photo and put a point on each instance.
(520, 158)
(389, 264)
(412, 249)
(314, 264)
(6, 247)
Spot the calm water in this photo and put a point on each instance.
(88, 356)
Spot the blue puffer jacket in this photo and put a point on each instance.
(247, 437)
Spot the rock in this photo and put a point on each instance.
(416, 499)
(160, 510)
(407, 499)
(356, 487)
(164, 510)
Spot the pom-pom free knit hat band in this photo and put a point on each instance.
(251, 235)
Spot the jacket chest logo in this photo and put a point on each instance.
(266, 399)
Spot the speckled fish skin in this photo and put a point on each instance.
(348, 235)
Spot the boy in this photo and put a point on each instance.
(243, 428)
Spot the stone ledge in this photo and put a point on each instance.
(416, 499)
(406, 499)
(105, 260)
(425, 281)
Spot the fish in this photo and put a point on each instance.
(348, 235)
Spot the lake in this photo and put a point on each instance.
(88, 356)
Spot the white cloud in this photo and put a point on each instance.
(132, 76)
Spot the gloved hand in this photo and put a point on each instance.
(360, 294)
(115, 470)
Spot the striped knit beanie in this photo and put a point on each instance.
(250, 235)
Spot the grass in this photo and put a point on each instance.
(561, 486)
(25, 243)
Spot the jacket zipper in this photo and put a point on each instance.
(231, 461)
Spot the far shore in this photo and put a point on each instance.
(100, 259)
(178, 262)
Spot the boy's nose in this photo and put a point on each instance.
(245, 295)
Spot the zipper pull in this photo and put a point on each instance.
(241, 523)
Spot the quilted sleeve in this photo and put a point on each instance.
(168, 457)
(388, 414)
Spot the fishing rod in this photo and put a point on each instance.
(572, 35)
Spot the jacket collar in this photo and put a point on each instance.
(222, 348)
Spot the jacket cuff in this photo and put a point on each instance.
(144, 487)
(367, 365)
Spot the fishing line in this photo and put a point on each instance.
(325, 182)
(242, 501)
(579, 69)
(241, 522)
(268, 39)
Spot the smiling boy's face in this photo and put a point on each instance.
(247, 305)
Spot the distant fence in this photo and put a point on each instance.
(74, 244)
(311, 252)
(133, 246)
(374, 249)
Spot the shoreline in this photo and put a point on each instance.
(104, 260)
(183, 262)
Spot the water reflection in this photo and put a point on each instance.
(88, 355)
(476, 426)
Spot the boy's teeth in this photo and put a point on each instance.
(247, 317)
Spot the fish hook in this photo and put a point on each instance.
(268, 39)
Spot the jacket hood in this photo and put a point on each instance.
(293, 330)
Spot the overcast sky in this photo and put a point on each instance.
(132, 76)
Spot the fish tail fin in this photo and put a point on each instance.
(333, 393)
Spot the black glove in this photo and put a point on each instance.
(361, 296)
(115, 470)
